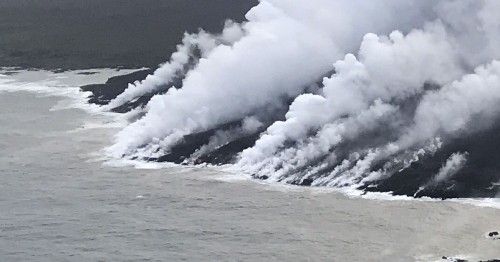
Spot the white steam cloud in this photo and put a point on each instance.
(456, 162)
(202, 41)
(406, 73)
(286, 47)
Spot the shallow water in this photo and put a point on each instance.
(58, 203)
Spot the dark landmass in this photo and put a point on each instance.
(102, 94)
(478, 178)
(72, 34)
(84, 34)
(64, 35)
(450, 259)
(192, 142)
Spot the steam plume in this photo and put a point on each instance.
(406, 75)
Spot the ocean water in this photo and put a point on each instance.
(60, 200)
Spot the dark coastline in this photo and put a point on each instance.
(411, 182)
(76, 34)
(72, 34)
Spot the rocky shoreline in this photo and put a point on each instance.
(467, 183)
(99, 44)
(450, 259)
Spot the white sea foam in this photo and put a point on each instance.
(64, 84)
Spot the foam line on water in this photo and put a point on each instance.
(65, 84)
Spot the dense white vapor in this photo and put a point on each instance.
(406, 74)
(453, 164)
(456, 162)
(474, 26)
(449, 111)
(393, 67)
(163, 75)
(286, 46)
(454, 107)
(249, 126)
(330, 135)
(202, 41)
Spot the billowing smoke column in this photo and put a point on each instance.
(407, 75)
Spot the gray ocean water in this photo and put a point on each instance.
(58, 203)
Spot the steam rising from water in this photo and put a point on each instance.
(406, 75)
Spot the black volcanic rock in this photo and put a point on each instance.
(190, 143)
(306, 182)
(478, 178)
(451, 259)
(102, 94)
(226, 154)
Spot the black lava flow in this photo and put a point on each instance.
(477, 179)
